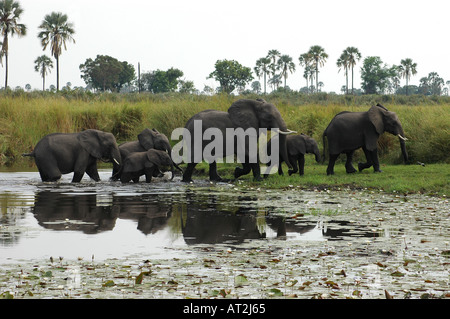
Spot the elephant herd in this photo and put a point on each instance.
(63, 153)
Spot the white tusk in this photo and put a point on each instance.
(401, 137)
(115, 161)
(288, 132)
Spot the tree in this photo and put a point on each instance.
(286, 65)
(106, 73)
(43, 64)
(407, 68)
(273, 55)
(262, 68)
(56, 31)
(162, 81)
(230, 75)
(353, 55)
(435, 83)
(343, 62)
(307, 61)
(320, 57)
(374, 75)
(187, 87)
(10, 12)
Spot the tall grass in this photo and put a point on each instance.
(25, 118)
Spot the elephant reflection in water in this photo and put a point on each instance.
(151, 212)
(53, 209)
(212, 221)
(58, 211)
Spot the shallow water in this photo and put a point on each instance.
(169, 220)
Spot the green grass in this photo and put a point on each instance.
(431, 179)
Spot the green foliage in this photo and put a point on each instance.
(161, 81)
(231, 75)
(107, 73)
(374, 75)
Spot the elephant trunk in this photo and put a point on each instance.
(172, 170)
(169, 151)
(403, 148)
(317, 154)
(283, 144)
(116, 159)
(402, 139)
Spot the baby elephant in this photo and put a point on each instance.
(297, 147)
(144, 163)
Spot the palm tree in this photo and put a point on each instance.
(286, 65)
(43, 65)
(56, 31)
(407, 68)
(353, 55)
(305, 60)
(320, 57)
(262, 68)
(275, 81)
(342, 62)
(10, 12)
(273, 55)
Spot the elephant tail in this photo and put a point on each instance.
(28, 154)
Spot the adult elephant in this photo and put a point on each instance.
(243, 114)
(349, 131)
(63, 153)
(147, 139)
(298, 146)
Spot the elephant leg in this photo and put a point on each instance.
(301, 165)
(246, 168)
(213, 175)
(92, 172)
(48, 169)
(256, 171)
(125, 177)
(150, 172)
(331, 162)
(369, 158)
(187, 175)
(348, 164)
(376, 162)
(49, 178)
(77, 176)
(293, 162)
(280, 168)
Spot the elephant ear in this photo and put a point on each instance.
(146, 138)
(243, 114)
(158, 158)
(90, 141)
(376, 117)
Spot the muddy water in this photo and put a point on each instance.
(352, 232)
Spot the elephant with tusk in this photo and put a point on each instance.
(349, 131)
(245, 115)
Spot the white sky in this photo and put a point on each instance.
(192, 35)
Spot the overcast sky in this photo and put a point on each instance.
(192, 35)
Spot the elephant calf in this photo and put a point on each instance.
(144, 163)
(297, 147)
(63, 153)
(147, 139)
